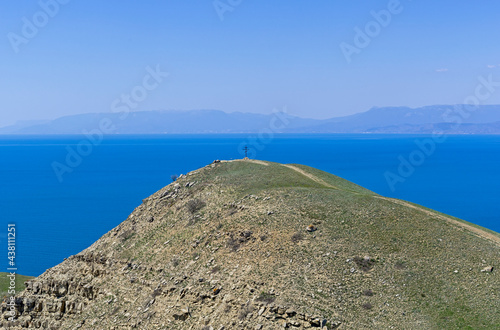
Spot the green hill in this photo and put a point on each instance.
(261, 245)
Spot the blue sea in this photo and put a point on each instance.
(64, 192)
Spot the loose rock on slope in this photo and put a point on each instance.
(218, 248)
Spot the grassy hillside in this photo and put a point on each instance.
(228, 245)
(5, 283)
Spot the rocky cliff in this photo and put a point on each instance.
(260, 245)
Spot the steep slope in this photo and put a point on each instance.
(260, 245)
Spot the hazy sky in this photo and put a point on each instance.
(61, 57)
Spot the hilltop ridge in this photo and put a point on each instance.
(252, 244)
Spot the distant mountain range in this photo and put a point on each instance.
(449, 119)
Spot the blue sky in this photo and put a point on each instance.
(263, 55)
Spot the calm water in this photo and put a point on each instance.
(56, 219)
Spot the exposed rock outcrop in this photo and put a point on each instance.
(224, 247)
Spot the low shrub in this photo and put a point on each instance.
(195, 205)
(367, 306)
(368, 293)
(297, 237)
(365, 264)
(233, 244)
(266, 297)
